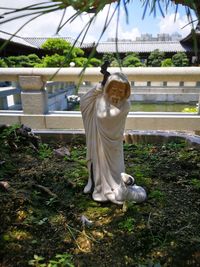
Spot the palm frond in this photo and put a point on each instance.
(60, 22)
(146, 5)
(160, 8)
(40, 6)
(176, 12)
(42, 12)
(106, 24)
(126, 10)
(116, 33)
(15, 34)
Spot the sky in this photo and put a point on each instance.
(46, 25)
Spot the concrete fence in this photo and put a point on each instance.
(34, 97)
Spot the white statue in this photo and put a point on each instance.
(104, 111)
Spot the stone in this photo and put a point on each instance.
(62, 152)
(31, 82)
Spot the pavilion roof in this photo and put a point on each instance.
(38, 41)
(141, 47)
(15, 39)
(107, 47)
(123, 47)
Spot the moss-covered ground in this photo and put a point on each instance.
(42, 201)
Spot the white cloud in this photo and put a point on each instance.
(32, 28)
(169, 24)
(46, 25)
(122, 33)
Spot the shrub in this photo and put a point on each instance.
(132, 61)
(180, 59)
(23, 61)
(95, 62)
(2, 63)
(167, 63)
(54, 61)
(155, 58)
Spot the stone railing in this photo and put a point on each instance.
(36, 112)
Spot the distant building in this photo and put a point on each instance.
(119, 40)
(176, 36)
(145, 37)
(160, 37)
(164, 37)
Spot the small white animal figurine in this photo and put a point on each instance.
(134, 192)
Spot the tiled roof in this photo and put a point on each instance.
(141, 47)
(38, 41)
(15, 39)
(105, 47)
(191, 36)
(123, 47)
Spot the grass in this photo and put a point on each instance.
(43, 228)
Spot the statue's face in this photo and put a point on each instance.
(116, 92)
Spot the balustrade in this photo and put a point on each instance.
(36, 84)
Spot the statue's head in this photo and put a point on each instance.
(117, 88)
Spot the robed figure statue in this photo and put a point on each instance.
(104, 110)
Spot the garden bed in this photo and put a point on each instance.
(42, 206)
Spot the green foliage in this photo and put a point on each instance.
(155, 58)
(108, 57)
(167, 63)
(132, 60)
(157, 194)
(80, 61)
(37, 261)
(62, 47)
(134, 54)
(76, 52)
(56, 46)
(190, 110)
(34, 60)
(115, 63)
(95, 62)
(3, 63)
(16, 61)
(195, 183)
(127, 224)
(6, 135)
(44, 151)
(61, 260)
(64, 53)
(55, 61)
(83, 5)
(33, 220)
(150, 264)
(180, 60)
(23, 61)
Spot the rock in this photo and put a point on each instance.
(62, 152)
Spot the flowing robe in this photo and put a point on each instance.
(104, 126)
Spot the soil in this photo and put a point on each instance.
(42, 203)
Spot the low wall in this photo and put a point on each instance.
(130, 137)
(173, 98)
(34, 97)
